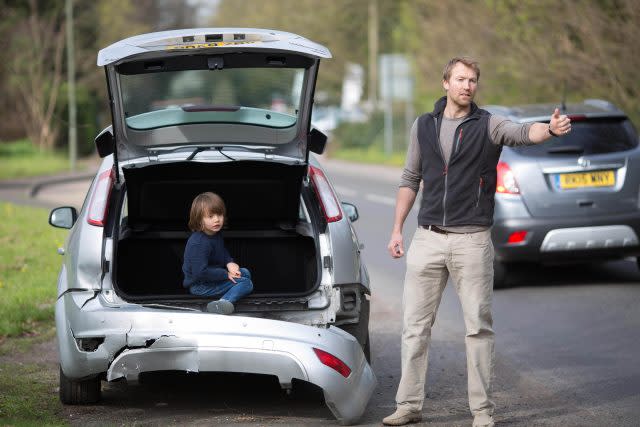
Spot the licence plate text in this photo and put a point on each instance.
(587, 179)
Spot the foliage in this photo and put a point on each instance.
(29, 266)
(21, 159)
(35, 70)
(529, 50)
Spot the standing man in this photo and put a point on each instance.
(454, 151)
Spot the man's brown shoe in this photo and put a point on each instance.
(400, 418)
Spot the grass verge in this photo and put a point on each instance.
(28, 387)
(29, 266)
(20, 159)
(28, 272)
(369, 154)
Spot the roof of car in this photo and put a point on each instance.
(591, 108)
(195, 39)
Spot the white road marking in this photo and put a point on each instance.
(345, 191)
(385, 200)
(376, 198)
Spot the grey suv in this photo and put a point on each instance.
(572, 199)
(228, 111)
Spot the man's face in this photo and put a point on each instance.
(462, 85)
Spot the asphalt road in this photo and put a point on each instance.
(566, 344)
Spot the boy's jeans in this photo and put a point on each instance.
(227, 290)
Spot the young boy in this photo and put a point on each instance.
(208, 268)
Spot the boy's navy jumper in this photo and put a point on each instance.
(205, 259)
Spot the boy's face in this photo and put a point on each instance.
(212, 223)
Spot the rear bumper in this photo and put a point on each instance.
(138, 339)
(562, 239)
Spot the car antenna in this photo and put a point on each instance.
(563, 105)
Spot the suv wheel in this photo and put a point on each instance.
(74, 392)
(499, 275)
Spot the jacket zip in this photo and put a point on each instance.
(459, 139)
(479, 190)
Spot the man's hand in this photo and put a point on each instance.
(396, 247)
(559, 124)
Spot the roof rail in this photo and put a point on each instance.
(601, 103)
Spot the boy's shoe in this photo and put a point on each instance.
(483, 420)
(400, 418)
(220, 307)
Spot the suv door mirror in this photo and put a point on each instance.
(351, 211)
(63, 217)
(316, 141)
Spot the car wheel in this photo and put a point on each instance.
(74, 392)
(499, 275)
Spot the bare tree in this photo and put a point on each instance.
(36, 72)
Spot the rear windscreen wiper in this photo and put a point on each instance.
(565, 149)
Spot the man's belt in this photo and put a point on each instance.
(436, 229)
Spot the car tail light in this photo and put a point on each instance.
(100, 199)
(326, 196)
(506, 180)
(333, 362)
(577, 117)
(517, 237)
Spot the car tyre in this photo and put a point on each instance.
(499, 275)
(78, 392)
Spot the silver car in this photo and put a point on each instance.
(572, 199)
(224, 110)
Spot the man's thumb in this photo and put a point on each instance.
(556, 113)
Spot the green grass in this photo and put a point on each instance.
(28, 274)
(370, 154)
(20, 159)
(29, 266)
(28, 395)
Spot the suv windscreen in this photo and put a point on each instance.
(257, 96)
(591, 136)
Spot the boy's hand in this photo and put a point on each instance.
(232, 266)
(234, 271)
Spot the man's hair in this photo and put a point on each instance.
(205, 204)
(466, 60)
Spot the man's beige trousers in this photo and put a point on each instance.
(430, 259)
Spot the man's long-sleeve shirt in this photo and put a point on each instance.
(205, 259)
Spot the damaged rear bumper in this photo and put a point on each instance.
(136, 339)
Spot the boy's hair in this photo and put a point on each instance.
(466, 60)
(205, 204)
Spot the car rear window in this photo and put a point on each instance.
(591, 136)
(268, 97)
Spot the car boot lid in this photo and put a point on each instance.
(162, 67)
